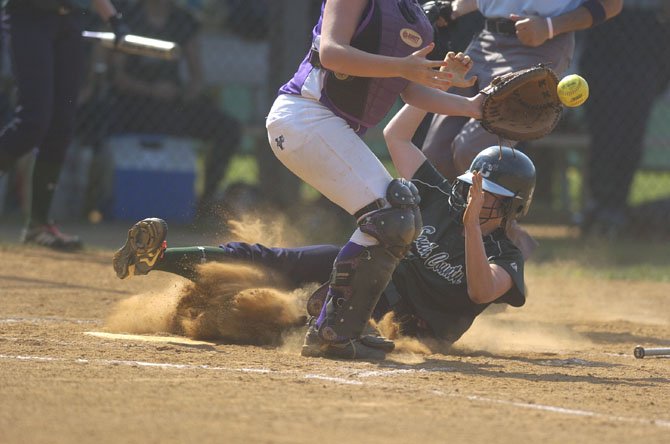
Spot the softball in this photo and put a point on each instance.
(573, 90)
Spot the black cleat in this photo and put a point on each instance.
(145, 245)
(316, 347)
(48, 235)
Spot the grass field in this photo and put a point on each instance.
(558, 370)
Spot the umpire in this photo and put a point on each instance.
(46, 51)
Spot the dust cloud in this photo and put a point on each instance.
(390, 328)
(572, 314)
(252, 229)
(243, 303)
(236, 303)
(145, 313)
(491, 334)
(231, 302)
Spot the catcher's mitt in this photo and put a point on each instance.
(522, 105)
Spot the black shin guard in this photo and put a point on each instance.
(356, 286)
(358, 282)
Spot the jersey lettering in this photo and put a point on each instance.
(423, 245)
(437, 262)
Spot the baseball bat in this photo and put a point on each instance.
(640, 352)
(137, 45)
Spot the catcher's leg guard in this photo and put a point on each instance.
(398, 226)
(358, 280)
(354, 290)
(317, 300)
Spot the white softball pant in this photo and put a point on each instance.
(323, 150)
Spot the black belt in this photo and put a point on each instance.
(500, 26)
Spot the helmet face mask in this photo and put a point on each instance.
(509, 175)
(497, 210)
(459, 195)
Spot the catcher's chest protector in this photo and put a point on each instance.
(394, 28)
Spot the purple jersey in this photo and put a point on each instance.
(394, 28)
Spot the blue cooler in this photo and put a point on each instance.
(154, 176)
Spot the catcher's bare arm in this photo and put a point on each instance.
(340, 20)
(398, 134)
(458, 66)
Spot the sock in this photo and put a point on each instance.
(184, 260)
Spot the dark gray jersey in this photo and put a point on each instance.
(432, 276)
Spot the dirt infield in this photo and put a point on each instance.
(559, 370)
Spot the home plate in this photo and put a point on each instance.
(147, 338)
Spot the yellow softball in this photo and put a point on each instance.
(573, 90)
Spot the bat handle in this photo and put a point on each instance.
(638, 352)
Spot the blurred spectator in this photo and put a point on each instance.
(46, 51)
(627, 65)
(150, 95)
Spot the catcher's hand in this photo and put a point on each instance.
(522, 105)
(459, 65)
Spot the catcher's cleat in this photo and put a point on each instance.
(366, 348)
(145, 245)
(48, 235)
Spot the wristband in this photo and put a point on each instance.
(550, 27)
(597, 11)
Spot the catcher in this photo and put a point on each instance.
(461, 262)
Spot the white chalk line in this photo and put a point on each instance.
(334, 379)
(49, 319)
(563, 410)
(400, 371)
(136, 363)
(338, 380)
(165, 365)
(33, 341)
